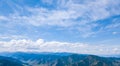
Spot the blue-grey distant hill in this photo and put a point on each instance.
(56, 59)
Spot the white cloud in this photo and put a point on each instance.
(47, 1)
(68, 14)
(40, 45)
(115, 24)
(3, 18)
(76, 15)
(114, 33)
(9, 37)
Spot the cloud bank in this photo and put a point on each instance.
(40, 45)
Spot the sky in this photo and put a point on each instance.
(78, 26)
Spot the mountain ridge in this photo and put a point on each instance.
(62, 59)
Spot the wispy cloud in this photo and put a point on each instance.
(115, 24)
(72, 14)
(9, 37)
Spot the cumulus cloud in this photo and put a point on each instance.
(40, 45)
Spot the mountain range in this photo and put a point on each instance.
(55, 59)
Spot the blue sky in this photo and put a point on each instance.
(91, 22)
